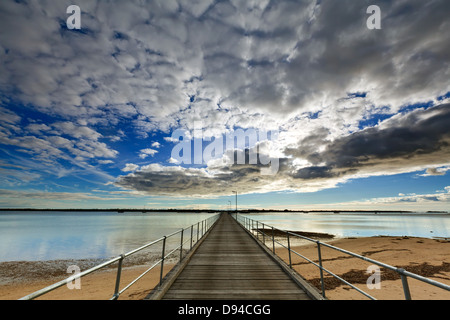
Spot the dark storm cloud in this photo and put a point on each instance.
(217, 179)
(417, 139)
(405, 143)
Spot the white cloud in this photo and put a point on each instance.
(144, 153)
(441, 199)
(130, 167)
(436, 171)
(105, 161)
(55, 196)
(69, 128)
(38, 128)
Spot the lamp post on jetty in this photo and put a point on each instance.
(236, 199)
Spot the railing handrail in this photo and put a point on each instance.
(206, 225)
(403, 273)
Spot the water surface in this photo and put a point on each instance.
(39, 236)
(36, 236)
(358, 224)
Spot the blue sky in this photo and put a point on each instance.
(87, 116)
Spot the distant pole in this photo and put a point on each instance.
(236, 199)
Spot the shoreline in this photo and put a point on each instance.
(242, 211)
(423, 256)
(211, 210)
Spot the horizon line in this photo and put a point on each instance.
(122, 210)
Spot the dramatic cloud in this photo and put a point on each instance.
(403, 143)
(419, 140)
(348, 102)
(166, 63)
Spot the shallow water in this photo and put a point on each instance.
(38, 236)
(361, 224)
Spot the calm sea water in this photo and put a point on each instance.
(36, 236)
(41, 236)
(354, 224)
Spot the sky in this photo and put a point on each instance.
(138, 108)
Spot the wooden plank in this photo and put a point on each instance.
(235, 296)
(219, 284)
(243, 292)
(214, 262)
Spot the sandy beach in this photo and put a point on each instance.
(96, 286)
(426, 257)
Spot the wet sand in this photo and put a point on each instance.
(426, 257)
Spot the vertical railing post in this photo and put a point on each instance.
(273, 241)
(162, 260)
(263, 234)
(321, 268)
(289, 250)
(257, 229)
(198, 229)
(192, 230)
(181, 245)
(119, 273)
(405, 284)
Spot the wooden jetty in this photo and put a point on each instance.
(229, 264)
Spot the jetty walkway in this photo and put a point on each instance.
(230, 264)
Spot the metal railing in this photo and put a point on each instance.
(255, 228)
(195, 233)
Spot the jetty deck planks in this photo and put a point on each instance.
(230, 265)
